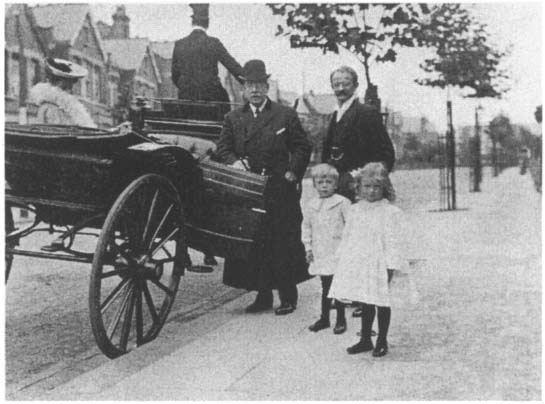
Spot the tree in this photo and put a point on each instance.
(371, 32)
(501, 133)
(464, 57)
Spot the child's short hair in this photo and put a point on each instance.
(324, 170)
(378, 171)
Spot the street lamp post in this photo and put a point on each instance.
(477, 166)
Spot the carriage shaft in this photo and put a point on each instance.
(40, 254)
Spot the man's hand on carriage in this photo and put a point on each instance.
(123, 128)
(290, 176)
(241, 164)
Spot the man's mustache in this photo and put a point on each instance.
(340, 92)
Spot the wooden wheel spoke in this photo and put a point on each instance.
(160, 225)
(104, 306)
(118, 271)
(164, 241)
(163, 261)
(127, 319)
(117, 317)
(169, 255)
(149, 301)
(132, 230)
(150, 216)
(139, 318)
(169, 292)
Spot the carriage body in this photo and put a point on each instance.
(67, 172)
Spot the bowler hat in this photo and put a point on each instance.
(254, 70)
(65, 68)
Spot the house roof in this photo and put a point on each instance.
(323, 103)
(163, 49)
(288, 97)
(127, 54)
(30, 37)
(65, 19)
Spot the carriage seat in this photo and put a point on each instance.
(198, 147)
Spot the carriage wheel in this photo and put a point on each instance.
(139, 258)
(10, 243)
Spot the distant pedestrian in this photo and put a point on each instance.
(369, 252)
(324, 217)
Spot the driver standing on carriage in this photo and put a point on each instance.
(195, 62)
(56, 104)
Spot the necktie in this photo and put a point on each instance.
(257, 112)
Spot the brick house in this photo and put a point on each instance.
(163, 56)
(138, 72)
(21, 72)
(69, 32)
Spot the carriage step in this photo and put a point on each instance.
(200, 269)
(56, 245)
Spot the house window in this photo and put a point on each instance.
(88, 81)
(77, 88)
(13, 68)
(97, 84)
(34, 72)
(85, 36)
(113, 94)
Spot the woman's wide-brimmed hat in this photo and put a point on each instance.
(254, 70)
(65, 68)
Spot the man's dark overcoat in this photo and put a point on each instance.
(273, 143)
(195, 67)
(360, 138)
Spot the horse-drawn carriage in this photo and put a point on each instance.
(145, 201)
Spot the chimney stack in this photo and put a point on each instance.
(120, 27)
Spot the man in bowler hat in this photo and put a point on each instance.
(267, 138)
(195, 62)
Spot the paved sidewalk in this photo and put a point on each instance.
(475, 333)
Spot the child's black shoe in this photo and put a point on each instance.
(373, 333)
(380, 350)
(362, 346)
(340, 327)
(358, 312)
(319, 325)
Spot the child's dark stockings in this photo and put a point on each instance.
(326, 302)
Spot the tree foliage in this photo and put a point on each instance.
(500, 130)
(372, 32)
(464, 56)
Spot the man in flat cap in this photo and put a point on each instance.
(195, 62)
(267, 138)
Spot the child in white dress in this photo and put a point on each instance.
(369, 253)
(324, 217)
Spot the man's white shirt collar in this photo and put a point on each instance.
(198, 27)
(254, 108)
(341, 109)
